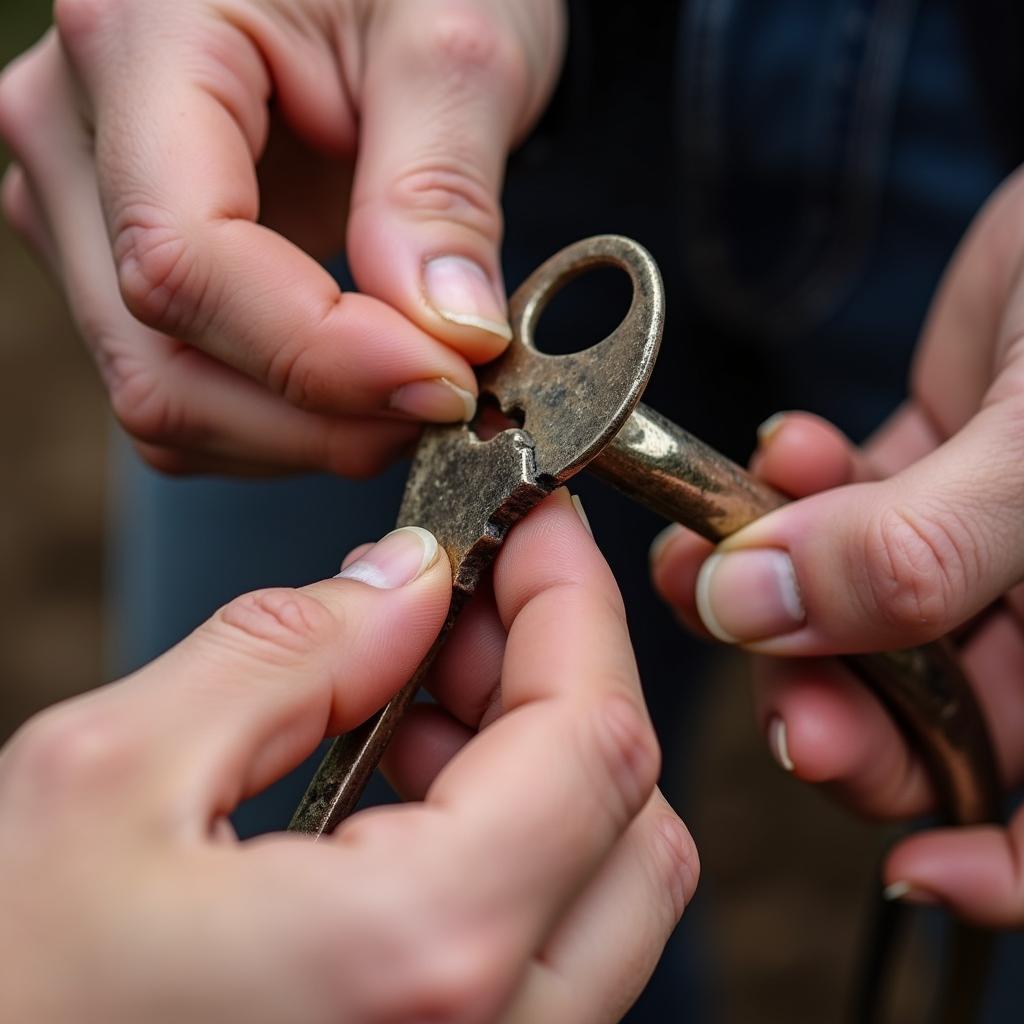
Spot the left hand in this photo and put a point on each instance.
(180, 167)
(910, 540)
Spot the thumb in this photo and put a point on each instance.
(253, 691)
(977, 872)
(447, 88)
(876, 566)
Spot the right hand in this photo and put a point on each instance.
(534, 876)
(179, 165)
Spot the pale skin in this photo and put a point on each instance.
(181, 214)
(913, 537)
(180, 166)
(534, 875)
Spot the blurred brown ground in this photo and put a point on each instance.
(791, 875)
(52, 456)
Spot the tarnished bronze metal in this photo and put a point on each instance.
(584, 409)
(468, 491)
(673, 473)
(579, 409)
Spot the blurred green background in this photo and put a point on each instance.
(52, 442)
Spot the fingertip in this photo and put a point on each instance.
(820, 724)
(398, 559)
(975, 872)
(676, 557)
(435, 401)
(427, 738)
(467, 307)
(445, 280)
(800, 453)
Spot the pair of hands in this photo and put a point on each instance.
(537, 874)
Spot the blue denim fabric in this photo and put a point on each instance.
(802, 175)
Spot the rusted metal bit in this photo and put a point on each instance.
(678, 476)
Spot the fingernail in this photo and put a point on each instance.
(770, 427)
(437, 401)
(399, 558)
(750, 594)
(462, 293)
(778, 743)
(661, 542)
(578, 505)
(906, 892)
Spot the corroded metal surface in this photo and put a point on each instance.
(469, 492)
(673, 473)
(681, 478)
(576, 410)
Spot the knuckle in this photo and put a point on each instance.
(296, 373)
(456, 980)
(628, 753)
(464, 42)
(23, 100)
(919, 567)
(452, 193)
(67, 748)
(79, 21)
(141, 404)
(278, 625)
(678, 863)
(157, 275)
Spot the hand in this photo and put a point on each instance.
(876, 564)
(536, 878)
(179, 166)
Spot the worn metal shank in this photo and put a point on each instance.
(667, 469)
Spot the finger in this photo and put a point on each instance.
(426, 739)
(900, 563)
(977, 872)
(675, 559)
(903, 561)
(189, 462)
(824, 727)
(552, 784)
(605, 950)
(447, 88)
(906, 436)
(799, 454)
(466, 677)
(167, 395)
(175, 150)
(258, 686)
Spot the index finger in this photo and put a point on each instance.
(544, 793)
